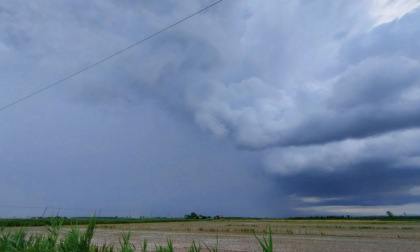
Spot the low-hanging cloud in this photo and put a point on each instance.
(396, 150)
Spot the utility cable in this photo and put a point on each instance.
(107, 58)
(64, 208)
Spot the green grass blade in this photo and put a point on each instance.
(266, 245)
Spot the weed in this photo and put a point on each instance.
(266, 245)
(194, 247)
(76, 240)
(125, 243)
(144, 248)
(169, 247)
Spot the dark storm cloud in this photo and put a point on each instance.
(374, 95)
(358, 146)
(184, 63)
(378, 95)
(362, 184)
(369, 188)
(320, 102)
(117, 137)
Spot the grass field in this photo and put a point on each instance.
(238, 235)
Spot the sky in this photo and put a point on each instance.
(251, 108)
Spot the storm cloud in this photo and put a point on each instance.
(250, 108)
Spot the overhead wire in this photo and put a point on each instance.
(67, 210)
(107, 58)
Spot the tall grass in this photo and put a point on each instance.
(78, 241)
(194, 247)
(266, 244)
(125, 244)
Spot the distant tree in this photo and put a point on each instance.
(193, 216)
(390, 214)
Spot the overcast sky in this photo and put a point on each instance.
(252, 108)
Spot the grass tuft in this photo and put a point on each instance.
(266, 244)
(169, 247)
(194, 247)
(125, 243)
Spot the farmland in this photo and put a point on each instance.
(288, 235)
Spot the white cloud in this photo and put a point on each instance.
(415, 191)
(253, 110)
(317, 199)
(397, 150)
(409, 209)
(384, 11)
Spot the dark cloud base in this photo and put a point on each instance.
(369, 184)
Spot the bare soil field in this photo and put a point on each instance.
(293, 235)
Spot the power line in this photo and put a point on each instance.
(107, 58)
(45, 207)
(66, 209)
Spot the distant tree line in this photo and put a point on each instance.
(195, 216)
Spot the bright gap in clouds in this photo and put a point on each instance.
(385, 11)
(400, 210)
